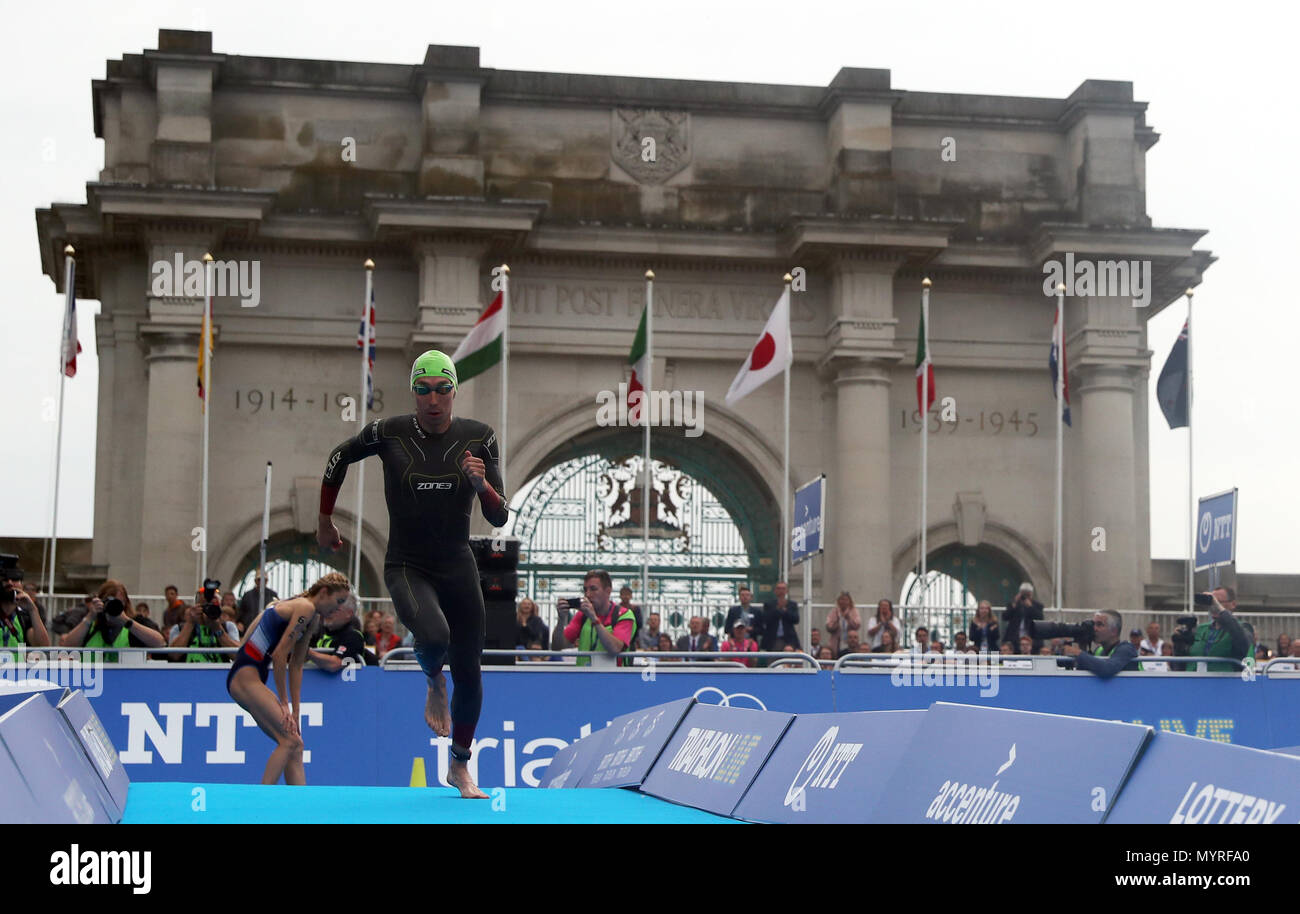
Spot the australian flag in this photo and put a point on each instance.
(362, 336)
(1171, 389)
(1056, 357)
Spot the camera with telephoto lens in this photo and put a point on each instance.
(211, 606)
(114, 607)
(1082, 633)
(1184, 636)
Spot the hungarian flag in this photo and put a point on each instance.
(640, 369)
(70, 347)
(205, 342)
(365, 333)
(481, 348)
(1171, 388)
(1055, 357)
(924, 367)
(771, 355)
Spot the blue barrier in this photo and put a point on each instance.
(573, 761)
(103, 758)
(714, 756)
(179, 724)
(1186, 781)
(1220, 708)
(634, 744)
(830, 767)
(988, 765)
(52, 768)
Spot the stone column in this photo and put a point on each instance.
(860, 509)
(1107, 496)
(170, 506)
(857, 362)
(450, 301)
(173, 455)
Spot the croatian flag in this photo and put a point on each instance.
(1055, 358)
(364, 333)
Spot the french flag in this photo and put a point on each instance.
(1056, 357)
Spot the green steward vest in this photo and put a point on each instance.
(1213, 643)
(12, 633)
(588, 640)
(202, 637)
(123, 639)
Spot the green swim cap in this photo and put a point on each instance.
(435, 363)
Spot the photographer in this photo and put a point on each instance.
(1110, 655)
(1020, 615)
(1222, 636)
(107, 624)
(598, 624)
(202, 626)
(20, 622)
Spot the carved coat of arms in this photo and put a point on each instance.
(649, 144)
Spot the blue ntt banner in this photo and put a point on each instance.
(634, 743)
(991, 766)
(179, 724)
(830, 767)
(1186, 781)
(714, 756)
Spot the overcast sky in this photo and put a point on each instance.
(1220, 87)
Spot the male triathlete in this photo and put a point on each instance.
(434, 465)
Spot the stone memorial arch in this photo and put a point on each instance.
(296, 171)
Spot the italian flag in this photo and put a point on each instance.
(481, 348)
(924, 367)
(640, 370)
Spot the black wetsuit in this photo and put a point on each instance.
(429, 568)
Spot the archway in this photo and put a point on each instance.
(991, 570)
(714, 521)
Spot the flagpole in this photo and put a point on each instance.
(69, 289)
(1191, 488)
(785, 453)
(925, 428)
(1059, 331)
(505, 368)
(366, 332)
(647, 393)
(266, 533)
(207, 398)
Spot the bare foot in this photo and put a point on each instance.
(458, 777)
(436, 714)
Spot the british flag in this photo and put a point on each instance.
(362, 336)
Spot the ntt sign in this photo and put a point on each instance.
(1216, 530)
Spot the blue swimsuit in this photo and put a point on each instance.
(257, 649)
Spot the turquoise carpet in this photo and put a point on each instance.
(166, 802)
